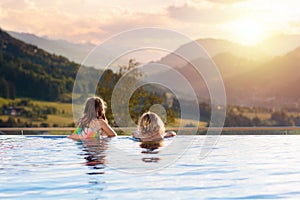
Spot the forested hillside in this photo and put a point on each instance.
(27, 71)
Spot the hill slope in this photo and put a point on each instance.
(28, 71)
(74, 52)
(249, 80)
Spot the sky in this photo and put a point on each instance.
(80, 21)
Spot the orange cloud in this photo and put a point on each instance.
(83, 21)
(202, 14)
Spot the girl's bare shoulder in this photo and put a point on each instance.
(101, 121)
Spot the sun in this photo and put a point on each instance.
(247, 31)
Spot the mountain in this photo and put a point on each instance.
(220, 46)
(214, 47)
(28, 71)
(269, 80)
(271, 83)
(74, 52)
(280, 44)
(273, 46)
(231, 60)
(265, 75)
(77, 52)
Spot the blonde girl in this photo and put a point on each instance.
(93, 123)
(151, 128)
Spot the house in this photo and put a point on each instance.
(14, 111)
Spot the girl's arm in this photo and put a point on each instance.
(107, 128)
(135, 134)
(169, 134)
(74, 136)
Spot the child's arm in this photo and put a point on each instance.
(74, 136)
(169, 134)
(107, 128)
(135, 134)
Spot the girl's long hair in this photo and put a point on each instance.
(94, 108)
(150, 123)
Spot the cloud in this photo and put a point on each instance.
(17, 4)
(92, 21)
(223, 1)
(134, 20)
(51, 21)
(57, 23)
(89, 22)
(201, 13)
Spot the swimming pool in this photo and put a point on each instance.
(238, 167)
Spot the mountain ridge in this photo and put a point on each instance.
(270, 80)
(74, 51)
(29, 71)
(268, 48)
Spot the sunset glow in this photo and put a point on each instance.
(243, 21)
(247, 31)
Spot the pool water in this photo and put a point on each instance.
(237, 167)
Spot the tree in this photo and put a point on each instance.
(4, 89)
(140, 101)
(281, 118)
(256, 121)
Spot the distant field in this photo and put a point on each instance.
(187, 122)
(61, 121)
(261, 116)
(63, 117)
(5, 101)
(64, 108)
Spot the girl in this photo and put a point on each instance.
(151, 128)
(93, 123)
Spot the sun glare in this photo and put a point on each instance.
(248, 32)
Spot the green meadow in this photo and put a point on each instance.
(38, 113)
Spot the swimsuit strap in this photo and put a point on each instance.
(89, 131)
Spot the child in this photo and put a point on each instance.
(93, 123)
(151, 128)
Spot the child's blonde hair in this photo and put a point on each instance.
(150, 124)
